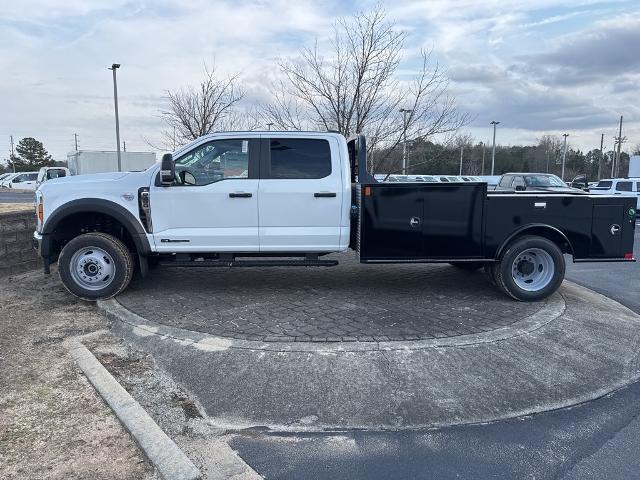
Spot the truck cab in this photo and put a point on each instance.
(49, 173)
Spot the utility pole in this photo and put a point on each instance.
(483, 150)
(124, 145)
(601, 157)
(564, 154)
(461, 150)
(113, 68)
(13, 162)
(493, 151)
(75, 137)
(404, 143)
(620, 140)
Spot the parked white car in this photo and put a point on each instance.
(626, 187)
(22, 181)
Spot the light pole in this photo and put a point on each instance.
(564, 154)
(493, 151)
(404, 143)
(269, 126)
(483, 150)
(113, 68)
(461, 150)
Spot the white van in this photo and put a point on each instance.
(626, 187)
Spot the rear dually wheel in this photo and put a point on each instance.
(531, 268)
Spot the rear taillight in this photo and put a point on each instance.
(628, 256)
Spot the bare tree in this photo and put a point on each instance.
(636, 149)
(355, 89)
(197, 111)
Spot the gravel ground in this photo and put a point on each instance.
(52, 423)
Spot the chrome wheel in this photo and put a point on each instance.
(92, 268)
(533, 269)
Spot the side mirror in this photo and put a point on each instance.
(520, 188)
(167, 170)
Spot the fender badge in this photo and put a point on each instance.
(128, 196)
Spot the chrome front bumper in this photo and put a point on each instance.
(37, 243)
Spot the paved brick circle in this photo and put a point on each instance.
(350, 302)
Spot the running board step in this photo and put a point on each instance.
(250, 263)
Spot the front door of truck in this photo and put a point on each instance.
(301, 195)
(213, 205)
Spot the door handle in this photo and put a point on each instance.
(240, 195)
(324, 194)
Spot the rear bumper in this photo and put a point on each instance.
(595, 260)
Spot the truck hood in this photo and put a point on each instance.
(92, 177)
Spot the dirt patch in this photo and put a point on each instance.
(15, 207)
(52, 423)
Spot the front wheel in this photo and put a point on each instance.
(95, 266)
(531, 268)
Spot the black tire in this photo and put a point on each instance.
(123, 265)
(468, 266)
(503, 270)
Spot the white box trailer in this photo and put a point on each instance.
(82, 162)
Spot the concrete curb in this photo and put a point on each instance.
(553, 308)
(163, 453)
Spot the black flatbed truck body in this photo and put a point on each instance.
(444, 222)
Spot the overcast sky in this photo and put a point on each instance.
(537, 66)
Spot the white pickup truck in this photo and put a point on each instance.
(289, 198)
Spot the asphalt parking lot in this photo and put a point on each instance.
(8, 196)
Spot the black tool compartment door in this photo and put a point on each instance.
(453, 220)
(391, 222)
(606, 231)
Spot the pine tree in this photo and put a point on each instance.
(31, 156)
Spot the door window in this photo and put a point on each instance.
(506, 181)
(214, 161)
(623, 186)
(298, 158)
(55, 173)
(518, 182)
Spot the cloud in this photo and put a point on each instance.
(602, 51)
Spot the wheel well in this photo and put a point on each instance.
(549, 233)
(76, 224)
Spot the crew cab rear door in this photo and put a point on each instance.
(213, 205)
(300, 194)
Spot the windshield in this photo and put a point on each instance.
(543, 181)
(604, 184)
